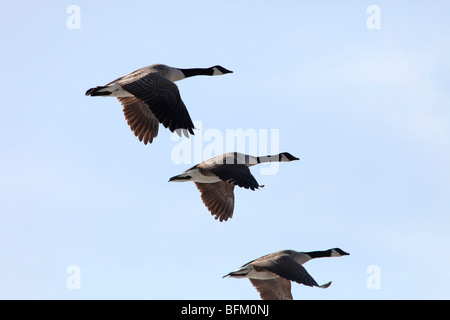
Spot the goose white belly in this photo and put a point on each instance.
(116, 91)
(198, 177)
(261, 275)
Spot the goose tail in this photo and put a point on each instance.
(241, 273)
(98, 91)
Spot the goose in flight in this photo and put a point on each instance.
(216, 178)
(272, 274)
(149, 96)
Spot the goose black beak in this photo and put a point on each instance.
(223, 70)
(289, 156)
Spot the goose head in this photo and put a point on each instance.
(219, 70)
(337, 252)
(287, 157)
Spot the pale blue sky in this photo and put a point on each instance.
(367, 111)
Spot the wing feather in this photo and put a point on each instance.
(284, 266)
(140, 119)
(218, 198)
(162, 97)
(237, 174)
(273, 289)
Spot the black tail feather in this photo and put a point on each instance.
(95, 92)
(237, 274)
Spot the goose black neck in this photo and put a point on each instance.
(319, 254)
(197, 72)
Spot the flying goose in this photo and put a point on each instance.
(149, 96)
(215, 179)
(272, 274)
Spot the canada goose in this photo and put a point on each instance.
(149, 95)
(215, 179)
(272, 274)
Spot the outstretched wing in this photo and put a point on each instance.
(218, 197)
(162, 97)
(237, 174)
(273, 289)
(140, 118)
(286, 267)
